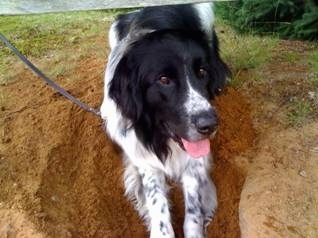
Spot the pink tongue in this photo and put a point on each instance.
(198, 148)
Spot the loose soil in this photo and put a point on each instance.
(61, 176)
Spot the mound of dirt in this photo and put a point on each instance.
(63, 177)
(281, 186)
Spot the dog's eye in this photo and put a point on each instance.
(202, 73)
(164, 80)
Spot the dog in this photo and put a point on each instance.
(163, 69)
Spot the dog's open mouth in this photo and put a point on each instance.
(195, 149)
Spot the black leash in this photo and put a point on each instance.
(49, 81)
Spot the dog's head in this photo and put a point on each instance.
(163, 85)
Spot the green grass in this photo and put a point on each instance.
(314, 80)
(246, 54)
(290, 56)
(244, 51)
(36, 36)
(313, 61)
(313, 65)
(299, 111)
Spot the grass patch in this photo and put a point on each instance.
(251, 52)
(314, 80)
(244, 51)
(35, 34)
(246, 54)
(313, 65)
(299, 111)
(313, 61)
(290, 56)
(38, 35)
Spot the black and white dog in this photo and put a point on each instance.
(162, 70)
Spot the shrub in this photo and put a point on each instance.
(286, 18)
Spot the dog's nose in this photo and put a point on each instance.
(205, 122)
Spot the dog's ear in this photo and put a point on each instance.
(125, 91)
(219, 70)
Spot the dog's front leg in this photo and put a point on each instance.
(155, 190)
(200, 198)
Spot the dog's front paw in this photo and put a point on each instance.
(162, 230)
(193, 229)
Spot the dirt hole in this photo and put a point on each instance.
(72, 174)
(82, 185)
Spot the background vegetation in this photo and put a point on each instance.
(295, 19)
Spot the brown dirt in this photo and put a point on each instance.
(60, 176)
